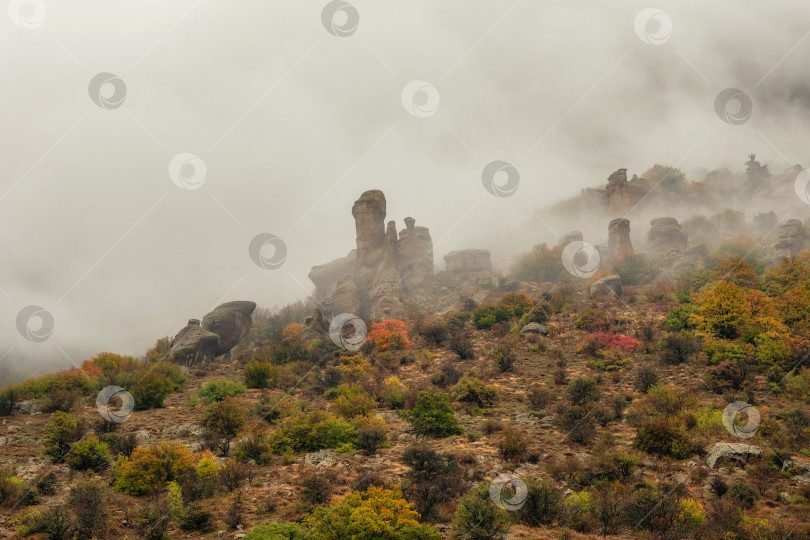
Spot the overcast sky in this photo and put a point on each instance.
(293, 123)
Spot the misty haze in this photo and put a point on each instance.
(554, 229)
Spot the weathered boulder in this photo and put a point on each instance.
(665, 234)
(567, 238)
(327, 276)
(230, 321)
(534, 328)
(468, 260)
(607, 286)
(737, 453)
(194, 346)
(619, 244)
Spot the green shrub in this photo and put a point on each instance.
(11, 487)
(311, 432)
(60, 433)
(646, 378)
(219, 389)
(743, 494)
(88, 504)
(578, 424)
(374, 513)
(150, 390)
(487, 315)
(152, 523)
(665, 438)
(54, 523)
(255, 447)
(371, 435)
(8, 398)
(61, 399)
(278, 531)
(543, 503)
(593, 320)
(260, 375)
(47, 484)
(678, 348)
(503, 357)
(196, 517)
(152, 467)
(89, 453)
(474, 390)
(433, 482)
(478, 518)
(352, 401)
(582, 390)
(432, 414)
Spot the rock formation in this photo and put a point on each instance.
(619, 244)
(665, 234)
(230, 321)
(194, 346)
(468, 260)
(221, 330)
(384, 272)
(315, 326)
(734, 452)
(791, 238)
(607, 286)
(567, 238)
(623, 195)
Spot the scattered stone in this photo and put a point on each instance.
(737, 453)
(534, 328)
(665, 234)
(29, 407)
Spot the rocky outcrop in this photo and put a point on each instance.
(468, 260)
(230, 321)
(607, 286)
(567, 238)
(624, 195)
(791, 238)
(738, 453)
(619, 244)
(327, 276)
(385, 271)
(665, 234)
(315, 326)
(194, 346)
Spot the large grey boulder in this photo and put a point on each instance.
(194, 346)
(735, 452)
(230, 321)
(607, 286)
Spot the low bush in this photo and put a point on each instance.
(432, 414)
(260, 375)
(474, 390)
(665, 438)
(646, 378)
(222, 421)
(388, 334)
(352, 401)
(371, 435)
(743, 494)
(89, 453)
(582, 390)
(504, 358)
(219, 389)
(8, 398)
(255, 447)
(539, 397)
(543, 503)
(311, 432)
(197, 517)
(513, 444)
(433, 482)
(152, 467)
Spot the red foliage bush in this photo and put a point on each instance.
(388, 334)
(608, 340)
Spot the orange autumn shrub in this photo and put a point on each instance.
(390, 334)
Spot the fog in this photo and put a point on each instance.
(293, 123)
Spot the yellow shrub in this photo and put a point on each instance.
(152, 467)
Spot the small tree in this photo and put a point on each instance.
(60, 433)
(222, 422)
(87, 502)
(88, 454)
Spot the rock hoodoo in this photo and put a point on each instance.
(468, 261)
(619, 244)
(665, 234)
(791, 238)
(384, 272)
(624, 195)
